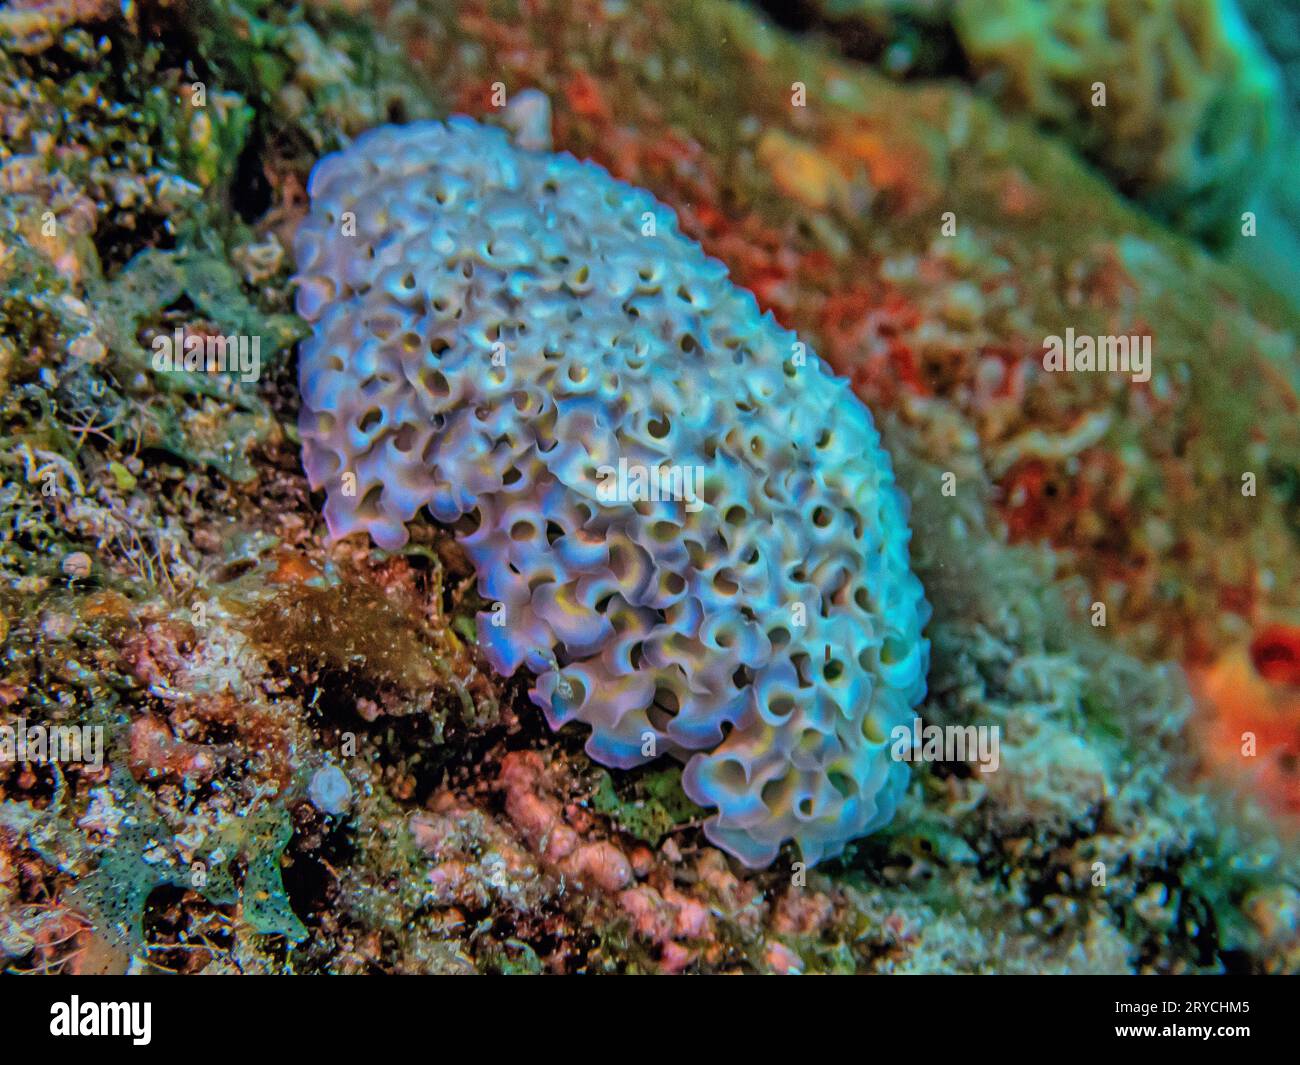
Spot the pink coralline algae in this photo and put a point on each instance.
(687, 526)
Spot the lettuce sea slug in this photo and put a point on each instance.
(687, 525)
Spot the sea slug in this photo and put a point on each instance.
(687, 525)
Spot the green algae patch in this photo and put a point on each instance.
(139, 861)
(140, 297)
(316, 81)
(512, 957)
(155, 280)
(647, 807)
(114, 895)
(206, 138)
(260, 839)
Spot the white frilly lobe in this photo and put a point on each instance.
(659, 621)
